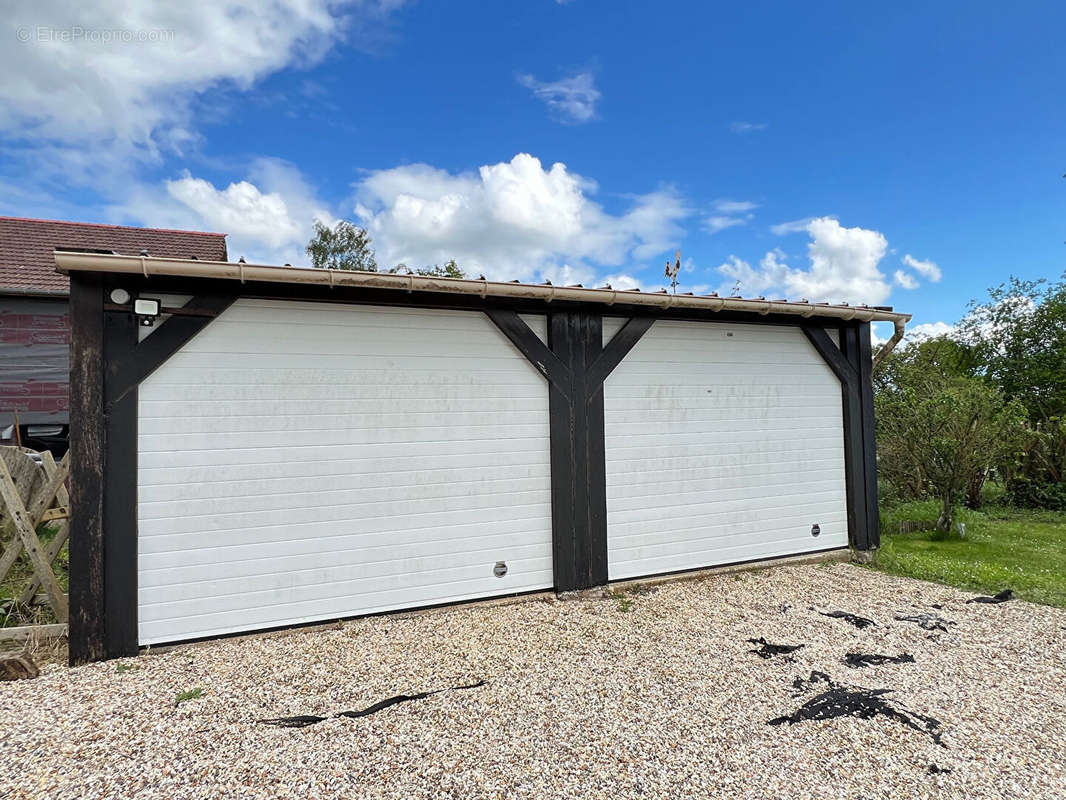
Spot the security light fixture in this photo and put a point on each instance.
(120, 297)
(146, 310)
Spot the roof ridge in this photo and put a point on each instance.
(110, 226)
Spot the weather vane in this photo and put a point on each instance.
(673, 269)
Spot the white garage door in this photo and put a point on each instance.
(308, 461)
(724, 444)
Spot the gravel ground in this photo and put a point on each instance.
(582, 699)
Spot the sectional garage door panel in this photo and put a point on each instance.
(307, 461)
(724, 443)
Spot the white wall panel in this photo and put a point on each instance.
(308, 461)
(724, 443)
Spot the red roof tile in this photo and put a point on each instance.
(27, 264)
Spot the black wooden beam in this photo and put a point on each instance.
(530, 345)
(869, 440)
(86, 638)
(134, 364)
(107, 365)
(120, 497)
(164, 284)
(852, 363)
(854, 455)
(831, 353)
(575, 363)
(618, 348)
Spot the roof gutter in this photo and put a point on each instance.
(51, 294)
(149, 266)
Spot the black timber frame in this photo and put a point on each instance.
(852, 363)
(108, 364)
(576, 363)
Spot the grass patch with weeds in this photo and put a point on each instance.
(190, 694)
(120, 668)
(1004, 548)
(624, 599)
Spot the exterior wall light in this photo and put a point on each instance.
(146, 310)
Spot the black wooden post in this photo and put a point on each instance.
(86, 640)
(851, 362)
(120, 497)
(864, 356)
(108, 363)
(579, 503)
(575, 363)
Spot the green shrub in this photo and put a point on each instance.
(887, 493)
(1024, 493)
(916, 515)
(993, 494)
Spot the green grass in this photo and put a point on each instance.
(191, 694)
(12, 614)
(1022, 550)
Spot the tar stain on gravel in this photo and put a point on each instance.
(929, 622)
(768, 650)
(581, 700)
(848, 617)
(860, 660)
(306, 720)
(849, 701)
(996, 599)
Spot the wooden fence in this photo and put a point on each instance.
(32, 493)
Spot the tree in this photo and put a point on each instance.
(344, 246)
(937, 429)
(447, 270)
(1019, 336)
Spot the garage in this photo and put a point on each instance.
(308, 461)
(723, 445)
(258, 447)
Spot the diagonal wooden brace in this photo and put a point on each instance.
(51, 550)
(25, 527)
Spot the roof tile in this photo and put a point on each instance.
(26, 246)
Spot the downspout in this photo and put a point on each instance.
(890, 345)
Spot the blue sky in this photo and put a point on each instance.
(905, 155)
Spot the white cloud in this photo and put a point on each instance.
(734, 206)
(928, 330)
(792, 226)
(748, 127)
(513, 219)
(905, 280)
(730, 214)
(269, 216)
(843, 267)
(623, 281)
(565, 275)
(927, 268)
(120, 80)
(714, 224)
(571, 100)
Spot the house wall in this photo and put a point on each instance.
(34, 360)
